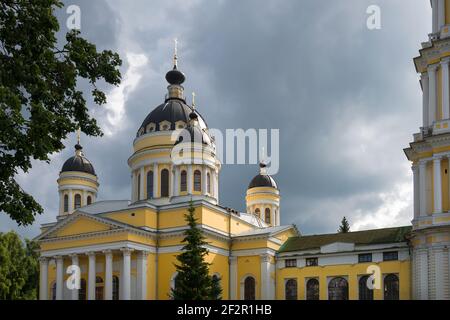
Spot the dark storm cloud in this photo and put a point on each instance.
(346, 99)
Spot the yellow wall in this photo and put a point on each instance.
(249, 265)
(323, 273)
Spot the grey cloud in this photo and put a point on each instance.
(310, 68)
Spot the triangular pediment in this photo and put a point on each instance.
(80, 223)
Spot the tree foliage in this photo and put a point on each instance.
(19, 268)
(345, 226)
(193, 281)
(40, 99)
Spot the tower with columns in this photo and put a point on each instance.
(77, 183)
(263, 197)
(430, 153)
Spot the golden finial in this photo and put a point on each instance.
(193, 100)
(175, 52)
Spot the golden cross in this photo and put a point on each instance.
(78, 135)
(175, 52)
(193, 100)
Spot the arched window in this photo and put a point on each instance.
(208, 183)
(258, 212)
(115, 288)
(77, 201)
(249, 288)
(267, 215)
(290, 290)
(183, 181)
(364, 292)
(338, 289)
(99, 288)
(391, 287)
(139, 187)
(164, 183)
(53, 291)
(66, 203)
(89, 200)
(82, 290)
(150, 185)
(312, 289)
(197, 180)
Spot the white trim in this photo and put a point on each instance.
(98, 248)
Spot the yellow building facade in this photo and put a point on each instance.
(126, 249)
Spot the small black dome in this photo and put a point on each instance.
(193, 134)
(175, 76)
(172, 110)
(78, 163)
(262, 180)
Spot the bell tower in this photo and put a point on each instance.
(77, 182)
(429, 153)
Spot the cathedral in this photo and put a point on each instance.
(126, 249)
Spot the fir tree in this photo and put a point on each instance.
(216, 289)
(345, 226)
(193, 281)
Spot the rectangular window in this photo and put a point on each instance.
(364, 257)
(390, 256)
(312, 262)
(291, 263)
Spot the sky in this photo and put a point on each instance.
(346, 99)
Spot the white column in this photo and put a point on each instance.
(425, 99)
(437, 185)
(171, 181)
(416, 185)
(71, 204)
(265, 277)
(441, 14)
(43, 283)
(142, 193)
(233, 278)
(108, 274)
(204, 172)
(213, 182)
(61, 202)
(445, 89)
(422, 273)
(155, 180)
(440, 272)
(142, 275)
(422, 188)
(435, 17)
(133, 187)
(176, 179)
(59, 277)
(74, 291)
(126, 276)
(84, 201)
(432, 94)
(91, 276)
(216, 184)
(189, 179)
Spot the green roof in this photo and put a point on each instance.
(366, 237)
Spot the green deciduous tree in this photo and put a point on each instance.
(19, 268)
(345, 226)
(40, 99)
(193, 281)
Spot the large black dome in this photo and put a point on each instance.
(78, 163)
(172, 110)
(262, 180)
